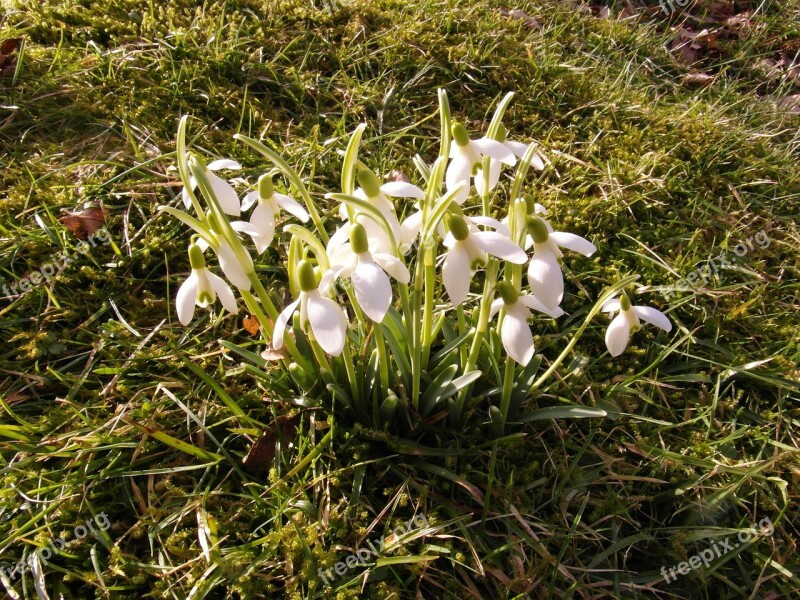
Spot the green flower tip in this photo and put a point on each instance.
(306, 276)
(358, 238)
(265, 187)
(507, 292)
(624, 302)
(369, 182)
(460, 134)
(196, 258)
(538, 230)
(457, 226)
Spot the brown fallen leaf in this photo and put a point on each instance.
(251, 324)
(521, 15)
(697, 79)
(262, 452)
(84, 222)
(790, 104)
(687, 44)
(8, 60)
(398, 176)
(270, 354)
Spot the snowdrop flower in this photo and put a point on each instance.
(466, 154)
(467, 251)
(226, 195)
(544, 272)
(201, 289)
(262, 221)
(514, 332)
(534, 209)
(518, 149)
(327, 319)
(378, 195)
(367, 271)
(619, 331)
(235, 269)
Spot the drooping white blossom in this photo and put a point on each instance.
(515, 333)
(467, 251)
(627, 321)
(201, 289)
(368, 271)
(466, 156)
(268, 206)
(226, 195)
(327, 320)
(544, 273)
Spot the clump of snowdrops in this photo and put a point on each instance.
(397, 321)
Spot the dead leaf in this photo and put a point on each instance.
(789, 103)
(251, 324)
(8, 63)
(85, 222)
(687, 44)
(521, 15)
(697, 79)
(270, 354)
(398, 176)
(262, 452)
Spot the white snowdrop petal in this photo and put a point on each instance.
(280, 324)
(495, 149)
(545, 278)
(223, 163)
(500, 246)
(231, 267)
(534, 303)
(328, 322)
(570, 241)
(250, 198)
(456, 274)
(373, 290)
(410, 228)
(516, 334)
(186, 298)
(402, 189)
(262, 215)
(292, 206)
(496, 306)
(459, 169)
(329, 278)
(518, 149)
(225, 194)
(611, 306)
(617, 335)
(493, 223)
(393, 266)
(223, 290)
(653, 316)
(339, 237)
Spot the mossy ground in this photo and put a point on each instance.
(661, 175)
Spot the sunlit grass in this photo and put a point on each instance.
(103, 411)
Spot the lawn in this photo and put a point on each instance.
(142, 458)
